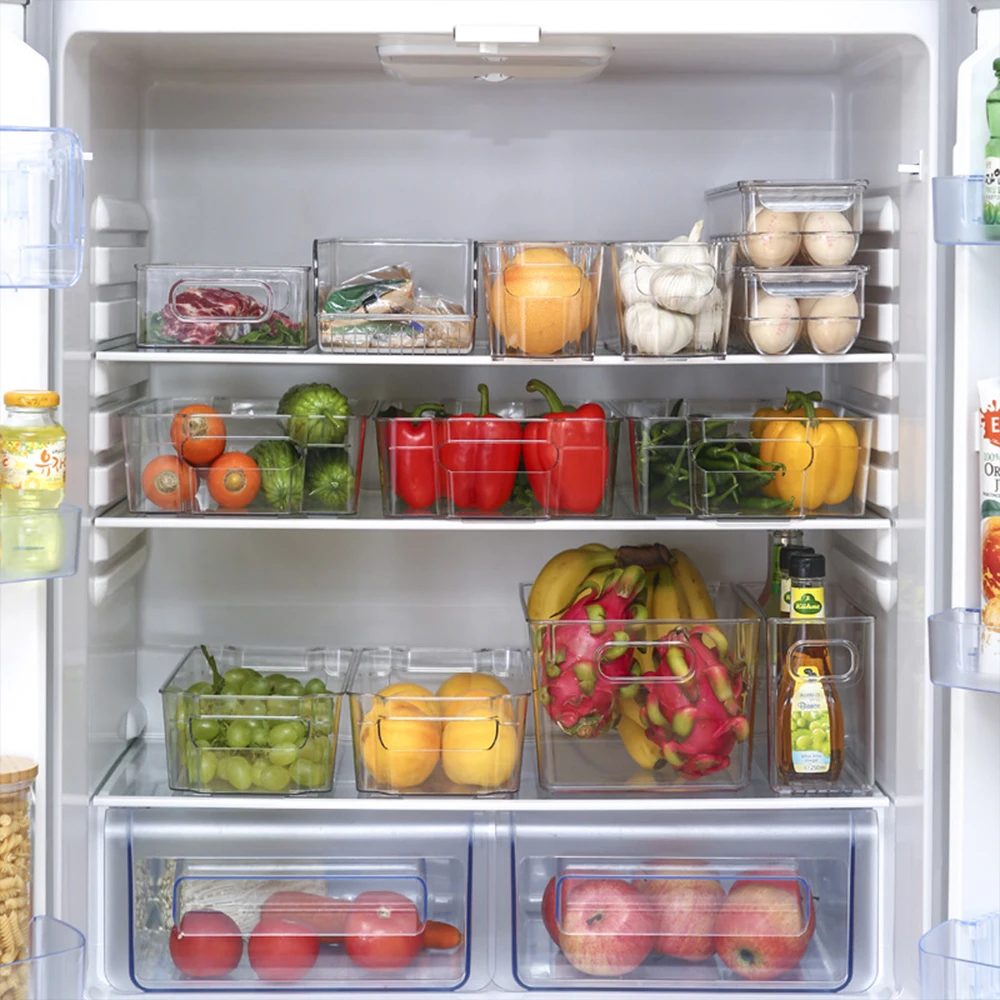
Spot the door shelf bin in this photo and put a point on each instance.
(581, 750)
(964, 653)
(231, 742)
(958, 212)
(809, 909)
(960, 960)
(54, 966)
(39, 545)
(179, 865)
(467, 739)
(307, 465)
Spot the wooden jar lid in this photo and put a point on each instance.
(15, 769)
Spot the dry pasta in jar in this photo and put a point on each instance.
(17, 789)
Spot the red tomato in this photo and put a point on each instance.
(207, 946)
(384, 931)
(281, 949)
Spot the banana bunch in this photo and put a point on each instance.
(561, 577)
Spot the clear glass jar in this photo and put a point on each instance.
(17, 814)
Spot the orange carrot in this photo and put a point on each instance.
(441, 937)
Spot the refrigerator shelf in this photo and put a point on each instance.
(39, 545)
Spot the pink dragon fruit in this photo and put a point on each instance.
(582, 675)
(695, 714)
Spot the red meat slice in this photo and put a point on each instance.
(214, 302)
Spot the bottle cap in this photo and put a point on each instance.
(41, 398)
(788, 551)
(807, 565)
(16, 769)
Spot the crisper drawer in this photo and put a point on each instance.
(670, 902)
(285, 902)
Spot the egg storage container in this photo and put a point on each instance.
(17, 828)
(659, 457)
(53, 964)
(778, 222)
(778, 307)
(541, 298)
(254, 721)
(599, 727)
(517, 462)
(763, 460)
(395, 296)
(438, 721)
(964, 651)
(673, 298)
(960, 959)
(254, 308)
(241, 457)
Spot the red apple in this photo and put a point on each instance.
(607, 926)
(684, 910)
(760, 932)
(549, 909)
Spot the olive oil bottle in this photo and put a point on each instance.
(770, 596)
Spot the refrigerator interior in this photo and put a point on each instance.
(241, 148)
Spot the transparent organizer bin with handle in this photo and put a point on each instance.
(221, 306)
(40, 544)
(681, 691)
(659, 456)
(781, 222)
(305, 465)
(958, 212)
(960, 960)
(738, 472)
(964, 653)
(296, 897)
(541, 299)
(849, 692)
(439, 721)
(271, 728)
(54, 965)
(395, 296)
(673, 298)
(433, 466)
(694, 903)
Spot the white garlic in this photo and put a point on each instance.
(708, 323)
(656, 331)
(775, 323)
(773, 239)
(686, 249)
(834, 323)
(685, 288)
(634, 276)
(827, 238)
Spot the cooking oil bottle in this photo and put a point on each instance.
(32, 484)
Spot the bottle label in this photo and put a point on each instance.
(33, 465)
(991, 198)
(810, 722)
(786, 596)
(807, 602)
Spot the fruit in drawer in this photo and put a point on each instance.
(685, 911)
(318, 413)
(383, 931)
(207, 945)
(400, 745)
(542, 301)
(459, 688)
(549, 908)
(607, 927)
(413, 694)
(282, 949)
(198, 434)
(762, 930)
(479, 744)
(560, 578)
(169, 483)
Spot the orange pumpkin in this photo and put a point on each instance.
(991, 558)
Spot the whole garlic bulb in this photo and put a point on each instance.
(708, 323)
(774, 238)
(634, 275)
(685, 288)
(686, 249)
(775, 325)
(834, 323)
(827, 238)
(652, 330)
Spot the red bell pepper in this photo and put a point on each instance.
(480, 454)
(566, 455)
(411, 452)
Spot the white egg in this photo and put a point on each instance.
(834, 323)
(774, 238)
(827, 238)
(805, 306)
(775, 323)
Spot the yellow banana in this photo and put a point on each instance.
(691, 582)
(669, 602)
(642, 750)
(629, 708)
(595, 547)
(560, 578)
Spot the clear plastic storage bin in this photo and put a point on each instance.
(216, 306)
(964, 652)
(800, 741)
(439, 721)
(778, 222)
(298, 465)
(958, 212)
(53, 966)
(820, 306)
(960, 960)
(265, 723)
(685, 725)
(395, 296)
(39, 545)
(673, 298)
(434, 466)
(694, 903)
(659, 457)
(42, 211)
(541, 298)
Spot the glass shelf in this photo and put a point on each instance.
(964, 652)
(960, 960)
(958, 213)
(39, 545)
(54, 966)
(42, 217)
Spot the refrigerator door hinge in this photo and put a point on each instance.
(914, 169)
